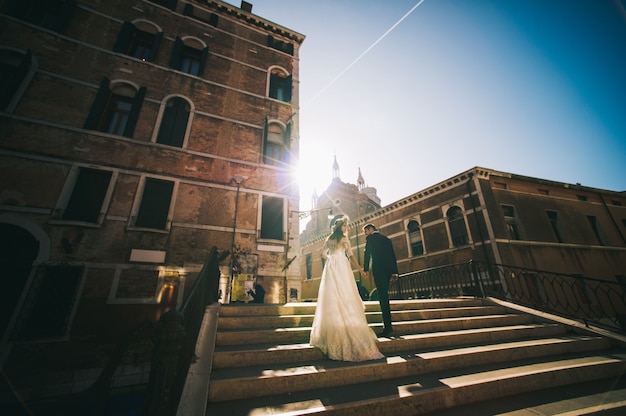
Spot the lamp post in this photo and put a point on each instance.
(238, 179)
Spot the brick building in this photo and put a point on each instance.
(498, 217)
(136, 136)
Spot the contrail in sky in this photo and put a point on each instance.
(366, 51)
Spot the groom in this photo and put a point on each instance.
(379, 249)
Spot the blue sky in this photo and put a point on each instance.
(531, 87)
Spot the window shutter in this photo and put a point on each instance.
(124, 38)
(203, 58)
(176, 57)
(155, 46)
(287, 142)
(264, 139)
(65, 14)
(8, 90)
(288, 89)
(188, 9)
(171, 4)
(134, 113)
(213, 20)
(99, 103)
(174, 123)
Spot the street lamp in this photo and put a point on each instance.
(238, 179)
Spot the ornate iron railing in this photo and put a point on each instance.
(588, 300)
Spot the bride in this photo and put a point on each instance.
(340, 328)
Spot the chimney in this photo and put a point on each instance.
(246, 7)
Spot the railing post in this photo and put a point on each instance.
(162, 394)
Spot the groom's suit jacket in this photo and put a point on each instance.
(379, 248)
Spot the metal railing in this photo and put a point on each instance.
(175, 341)
(587, 300)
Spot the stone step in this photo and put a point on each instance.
(257, 381)
(257, 354)
(298, 335)
(421, 393)
(308, 308)
(304, 320)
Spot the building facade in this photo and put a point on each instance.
(497, 217)
(136, 136)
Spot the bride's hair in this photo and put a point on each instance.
(337, 234)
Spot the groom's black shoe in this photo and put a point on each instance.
(385, 332)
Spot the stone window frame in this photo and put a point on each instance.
(24, 65)
(138, 32)
(194, 50)
(105, 110)
(164, 277)
(279, 84)
(157, 136)
(67, 194)
(276, 143)
(410, 233)
(141, 198)
(267, 224)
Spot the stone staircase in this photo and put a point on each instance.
(445, 354)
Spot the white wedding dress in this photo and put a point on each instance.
(340, 328)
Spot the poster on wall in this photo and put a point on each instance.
(242, 283)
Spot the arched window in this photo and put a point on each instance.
(189, 55)
(140, 40)
(174, 122)
(458, 231)
(116, 107)
(276, 144)
(415, 238)
(16, 71)
(279, 85)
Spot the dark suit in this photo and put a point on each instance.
(379, 249)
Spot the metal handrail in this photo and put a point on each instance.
(175, 341)
(588, 300)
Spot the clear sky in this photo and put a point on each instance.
(414, 92)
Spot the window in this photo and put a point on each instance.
(201, 15)
(116, 108)
(16, 71)
(276, 144)
(415, 238)
(308, 261)
(593, 222)
(49, 14)
(170, 4)
(272, 226)
(279, 45)
(155, 204)
(49, 303)
(458, 231)
(88, 195)
(189, 56)
(139, 43)
(174, 121)
(510, 222)
(581, 197)
(280, 85)
(555, 223)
